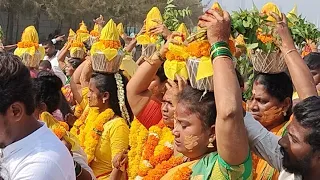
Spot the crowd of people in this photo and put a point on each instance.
(93, 111)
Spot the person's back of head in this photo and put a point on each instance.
(16, 95)
(313, 62)
(47, 90)
(45, 65)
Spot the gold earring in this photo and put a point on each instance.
(104, 100)
(210, 145)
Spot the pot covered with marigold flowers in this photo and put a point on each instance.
(106, 54)
(177, 55)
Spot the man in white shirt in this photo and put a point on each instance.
(28, 149)
(52, 56)
(297, 154)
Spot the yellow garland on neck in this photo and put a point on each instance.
(75, 130)
(137, 137)
(157, 148)
(90, 129)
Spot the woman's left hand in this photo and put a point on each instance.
(286, 43)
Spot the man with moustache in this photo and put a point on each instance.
(297, 154)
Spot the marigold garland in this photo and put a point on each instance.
(182, 174)
(199, 48)
(75, 130)
(89, 129)
(158, 148)
(137, 138)
(78, 111)
(27, 44)
(161, 169)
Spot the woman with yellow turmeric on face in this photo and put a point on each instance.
(271, 105)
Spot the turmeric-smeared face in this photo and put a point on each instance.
(191, 138)
(265, 108)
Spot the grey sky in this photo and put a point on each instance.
(308, 8)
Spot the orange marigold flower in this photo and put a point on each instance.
(27, 44)
(172, 56)
(94, 33)
(232, 46)
(77, 44)
(265, 38)
(111, 44)
(183, 174)
(165, 155)
(64, 125)
(58, 132)
(150, 145)
(199, 48)
(161, 169)
(143, 173)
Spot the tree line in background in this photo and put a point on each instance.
(130, 12)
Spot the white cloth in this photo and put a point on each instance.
(288, 176)
(39, 156)
(56, 68)
(265, 144)
(81, 158)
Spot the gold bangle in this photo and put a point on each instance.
(288, 52)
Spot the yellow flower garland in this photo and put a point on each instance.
(137, 138)
(89, 130)
(149, 149)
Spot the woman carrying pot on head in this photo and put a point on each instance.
(210, 132)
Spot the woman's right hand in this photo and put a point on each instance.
(165, 48)
(173, 88)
